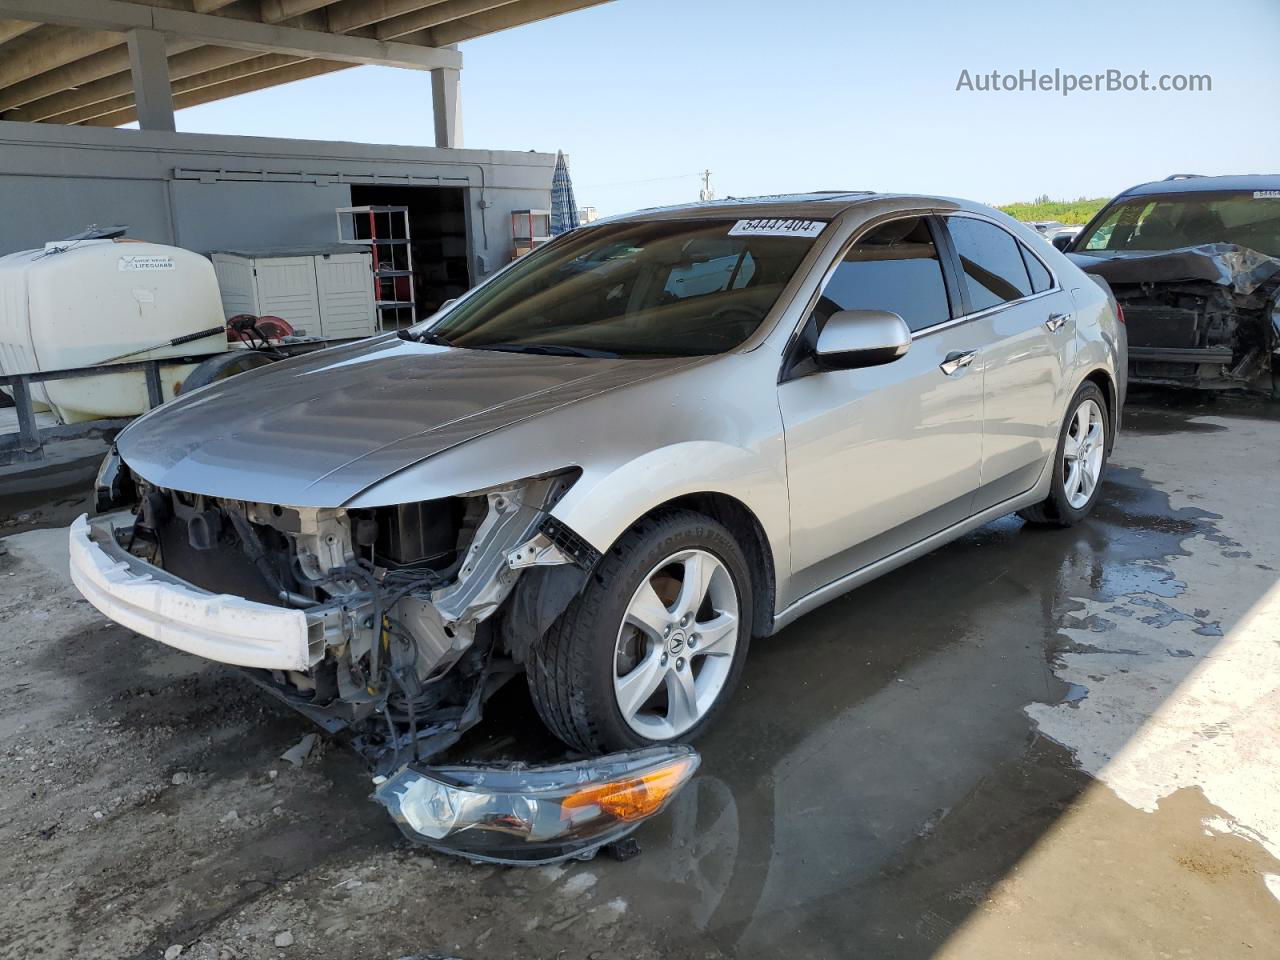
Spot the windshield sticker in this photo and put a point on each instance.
(777, 228)
(147, 264)
(1266, 194)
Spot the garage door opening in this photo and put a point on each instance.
(438, 268)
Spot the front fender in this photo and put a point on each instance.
(600, 507)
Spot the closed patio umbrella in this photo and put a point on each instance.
(564, 208)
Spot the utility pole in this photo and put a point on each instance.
(706, 193)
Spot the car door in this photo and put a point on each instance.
(1026, 324)
(881, 457)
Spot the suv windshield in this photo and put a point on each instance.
(633, 289)
(1188, 220)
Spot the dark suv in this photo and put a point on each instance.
(1195, 263)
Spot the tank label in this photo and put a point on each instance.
(777, 228)
(147, 264)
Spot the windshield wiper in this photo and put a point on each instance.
(551, 349)
(424, 336)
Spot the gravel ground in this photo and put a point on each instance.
(146, 808)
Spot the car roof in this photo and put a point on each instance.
(823, 204)
(1194, 183)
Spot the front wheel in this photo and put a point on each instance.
(1079, 461)
(653, 646)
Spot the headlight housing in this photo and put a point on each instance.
(113, 488)
(535, 815)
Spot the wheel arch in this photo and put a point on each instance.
(1102, 378)
(746, 528)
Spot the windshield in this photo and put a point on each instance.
(635, 289)
(1248, 219)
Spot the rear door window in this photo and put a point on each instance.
(895, 267)
(994, 271)
(1041, 279)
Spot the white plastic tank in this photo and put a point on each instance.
(78, 303)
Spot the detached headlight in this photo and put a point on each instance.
(534, 815)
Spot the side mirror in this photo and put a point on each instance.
(1062, 241)
(861, 338)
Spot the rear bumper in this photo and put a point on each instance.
(156, 604)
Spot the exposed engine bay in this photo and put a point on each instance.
(1204, 316)
(401, 602)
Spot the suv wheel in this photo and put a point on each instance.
(1079, 461)
(651, 649)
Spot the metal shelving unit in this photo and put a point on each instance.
(529, 229)
(385, 231)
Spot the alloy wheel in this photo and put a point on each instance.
(675, 647)
(1082, 454)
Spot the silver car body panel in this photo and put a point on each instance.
(848, 473)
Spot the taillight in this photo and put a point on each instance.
(1120, 313)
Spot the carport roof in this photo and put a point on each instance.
(67, 61)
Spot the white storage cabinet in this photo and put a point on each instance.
(322, 291)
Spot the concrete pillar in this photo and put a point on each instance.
(151, 90)
(447, 106)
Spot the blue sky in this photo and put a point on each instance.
(643, 94)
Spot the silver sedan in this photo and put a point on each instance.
(614, 464)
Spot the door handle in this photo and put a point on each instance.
(957, 361)
(1056, 321)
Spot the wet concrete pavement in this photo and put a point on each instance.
(1029, 743)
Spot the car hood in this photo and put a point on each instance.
(1239, 269)
(320, 429)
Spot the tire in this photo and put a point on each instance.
(1058, 509)
(225, 365)
(573, 670)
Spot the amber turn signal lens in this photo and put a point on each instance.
(634, 798)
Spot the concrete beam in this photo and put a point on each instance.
(446, 108)
(261, 64)
(298, 70)
(15, 28)
(226, 32)
(50, 47)
(503, 18)
(433, 16)
(78, 84)
(149, 66)
(187, 63)
(276, 11)
(57, 58)
(353, 14)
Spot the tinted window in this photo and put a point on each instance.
(1041, 279)
(993, 269)
(896, 267)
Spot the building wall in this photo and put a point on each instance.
(206, 191)
(222, 215)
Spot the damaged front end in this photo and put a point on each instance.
(1204, 316)
(392, 624)
(380, 621)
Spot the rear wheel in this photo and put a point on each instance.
(1079, 462)
(651, 649)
